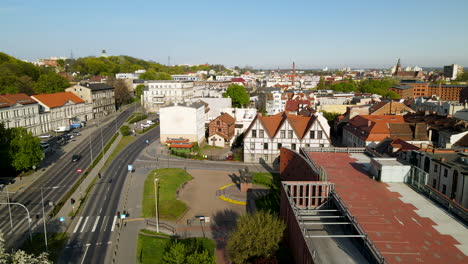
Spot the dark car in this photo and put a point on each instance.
(7, 181)
(76, 157)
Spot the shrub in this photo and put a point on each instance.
(125, 130)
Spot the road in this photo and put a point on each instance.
(90, 239)
(55, 182)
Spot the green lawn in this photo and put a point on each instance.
(210, 147)
(124, 141)
(151, 249)
(271, 201)
(55, 243)
(169, 181)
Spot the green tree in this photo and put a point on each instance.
(5, 137)
(148, 75)
(139, 90)
(202, 257)
(50, 83)
(25, 149)
(122, 93)
(125, 130)
(176, 253)
(321, 84)
(163, 76)
(238, 95)
(20, 257)
(255, 236)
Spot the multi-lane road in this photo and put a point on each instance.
(57, 180)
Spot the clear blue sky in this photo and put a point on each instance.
(256, 33)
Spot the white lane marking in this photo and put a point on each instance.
(84, 256)
(95, 224)
(100, 210)
(84, 224)
(113, 223)
(104, 223)
(77, 225)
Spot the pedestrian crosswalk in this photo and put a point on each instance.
(95, 223)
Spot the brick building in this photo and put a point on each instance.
(221, 130)
(448, 92)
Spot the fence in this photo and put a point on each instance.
(162, 225)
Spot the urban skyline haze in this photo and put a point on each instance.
(261, 34)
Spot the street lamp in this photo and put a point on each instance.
(43, 214)
(156, 202)
(29, 217)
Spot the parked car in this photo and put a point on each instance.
(45, 136)
(76, 133)
(229, 157)
(145, 125)
(7, 181)
(76, 157)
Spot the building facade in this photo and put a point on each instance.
(268, 134)
(453, 71)
(20, 110)
(221, 131)
(101, 96)
(162, 93)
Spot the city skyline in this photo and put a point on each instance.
(272, 34)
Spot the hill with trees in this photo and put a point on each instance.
(381, 87)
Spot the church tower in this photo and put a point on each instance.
(398, 67)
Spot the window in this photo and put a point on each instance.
(279, 145)
(218, 122)
(435, 168)
(293, 146)
(282, 134)
(252, 145)
(254, 133)
(265, 145)
(312, 134)
(307, 145)
(434, 183)
(265, 158)
(260, 133)
(290, 134)
(444, 188)
(219, 129)
(445, 173)
(319, 135)
(321, 145)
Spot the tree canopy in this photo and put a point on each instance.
(25, 149)
(153, 75)
(381, 87)
(238, 95)
(255, 236)
(20, 257)
(187, 252)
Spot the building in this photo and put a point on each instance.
(406, 75)
(215, 106)
(266, 135)
(20, 110)
(191, 78)
(273, 102)
(243, 117)
(369, 130)
(453, 71)
(183, 120)
(162, 93)
(448, 92)
(411, 89)
(62, 109)
(434, 106)
(339, 208)
(101, 96)
(389, 108)
(221, 131)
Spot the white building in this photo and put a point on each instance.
(273, 102)
(438, 107)
(243, 117)
(101, 95)
(183, 120)
(161, 93)
(62, 109)
(185, 77)
(215, 106)
(20, 110)
(453, 71)
(267, 135)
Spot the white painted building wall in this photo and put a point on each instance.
(182, 121)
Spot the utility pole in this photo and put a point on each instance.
(156, 202)
(29, 217)
(9, 208)
(44, 220)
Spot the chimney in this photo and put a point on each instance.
(369, 123)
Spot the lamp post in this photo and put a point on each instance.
(29, 217)
(9, 208)
(156, 202)
(43, 214)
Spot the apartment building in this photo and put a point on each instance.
(101, 96)
(221, 131)
(162, 93)
(20, 110)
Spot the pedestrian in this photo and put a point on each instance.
(99, 174)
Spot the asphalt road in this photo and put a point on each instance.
(90, 239)
(55, 182)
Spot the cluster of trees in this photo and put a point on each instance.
(238, 95)
(463, 77)
(19, 149)
(17, 76)
(20, 257)
(381, 87)
(190, 251)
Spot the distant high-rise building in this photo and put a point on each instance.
(103, 53)
(453, 71)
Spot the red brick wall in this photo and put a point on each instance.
(294, 167)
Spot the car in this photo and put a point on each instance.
(229, 157)
(145, 125)
(44, 136)
(76, 157)
(7, 181)
(76, 133)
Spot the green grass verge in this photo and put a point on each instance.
(271, 201)
(124, 141)
(208, 147)
(151, 249)
(169, 181)
(55, 243)
(142, 131)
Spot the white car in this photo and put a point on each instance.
(145, 125)
(44, 136)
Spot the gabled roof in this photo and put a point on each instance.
(227, 118)
(7, 100)
(300, 124)
(393, 107)
(57, 99)
(238, 80)
(271, 123)
(293, 105)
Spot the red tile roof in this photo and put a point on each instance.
(272, 124)
(57, 99)
(238, 80)
(293, 105)
(226, 118)
(375, 127)
(7, 100)
(399, 233)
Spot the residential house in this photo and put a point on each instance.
(215, 106)
(273, 102)
(183, 120)
(266, 135)
(101, 95)
(20, 110)
(243, 117)
(221, 131)
(434, 106)
(295, 105)
(62, 109)
(390, 108)
(161, 93)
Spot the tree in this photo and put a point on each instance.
(190, 252)
(255, 236)
(5, 159)
(321, 84)
(122, 93)
(139, 90)
(151, 74)
(50, 83)
(25, 149)
(25, 85)
(20, 257)
(238, 95)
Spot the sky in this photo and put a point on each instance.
(256, 33)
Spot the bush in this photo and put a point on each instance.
(125, 130)
(136, 118)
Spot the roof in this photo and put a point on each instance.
(97, 86)
(57, 99)
(227, 118)
(375, 127)
(293, 105)
(7, 100)
(402, 87)
(238, 80)
(450, 85)
(393, 107)
(394, 222)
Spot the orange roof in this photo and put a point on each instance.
(227, 118)
(375, 127)
(7, 100)
(300, 124)
(272, 124)
(57, 99)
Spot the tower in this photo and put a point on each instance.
(398, 67)
(104, 54)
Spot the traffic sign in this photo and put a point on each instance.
(122, 216)
(79, 170)
(130, 167)
(62, 219)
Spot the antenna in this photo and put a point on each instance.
(169, 61)
(71, 54)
